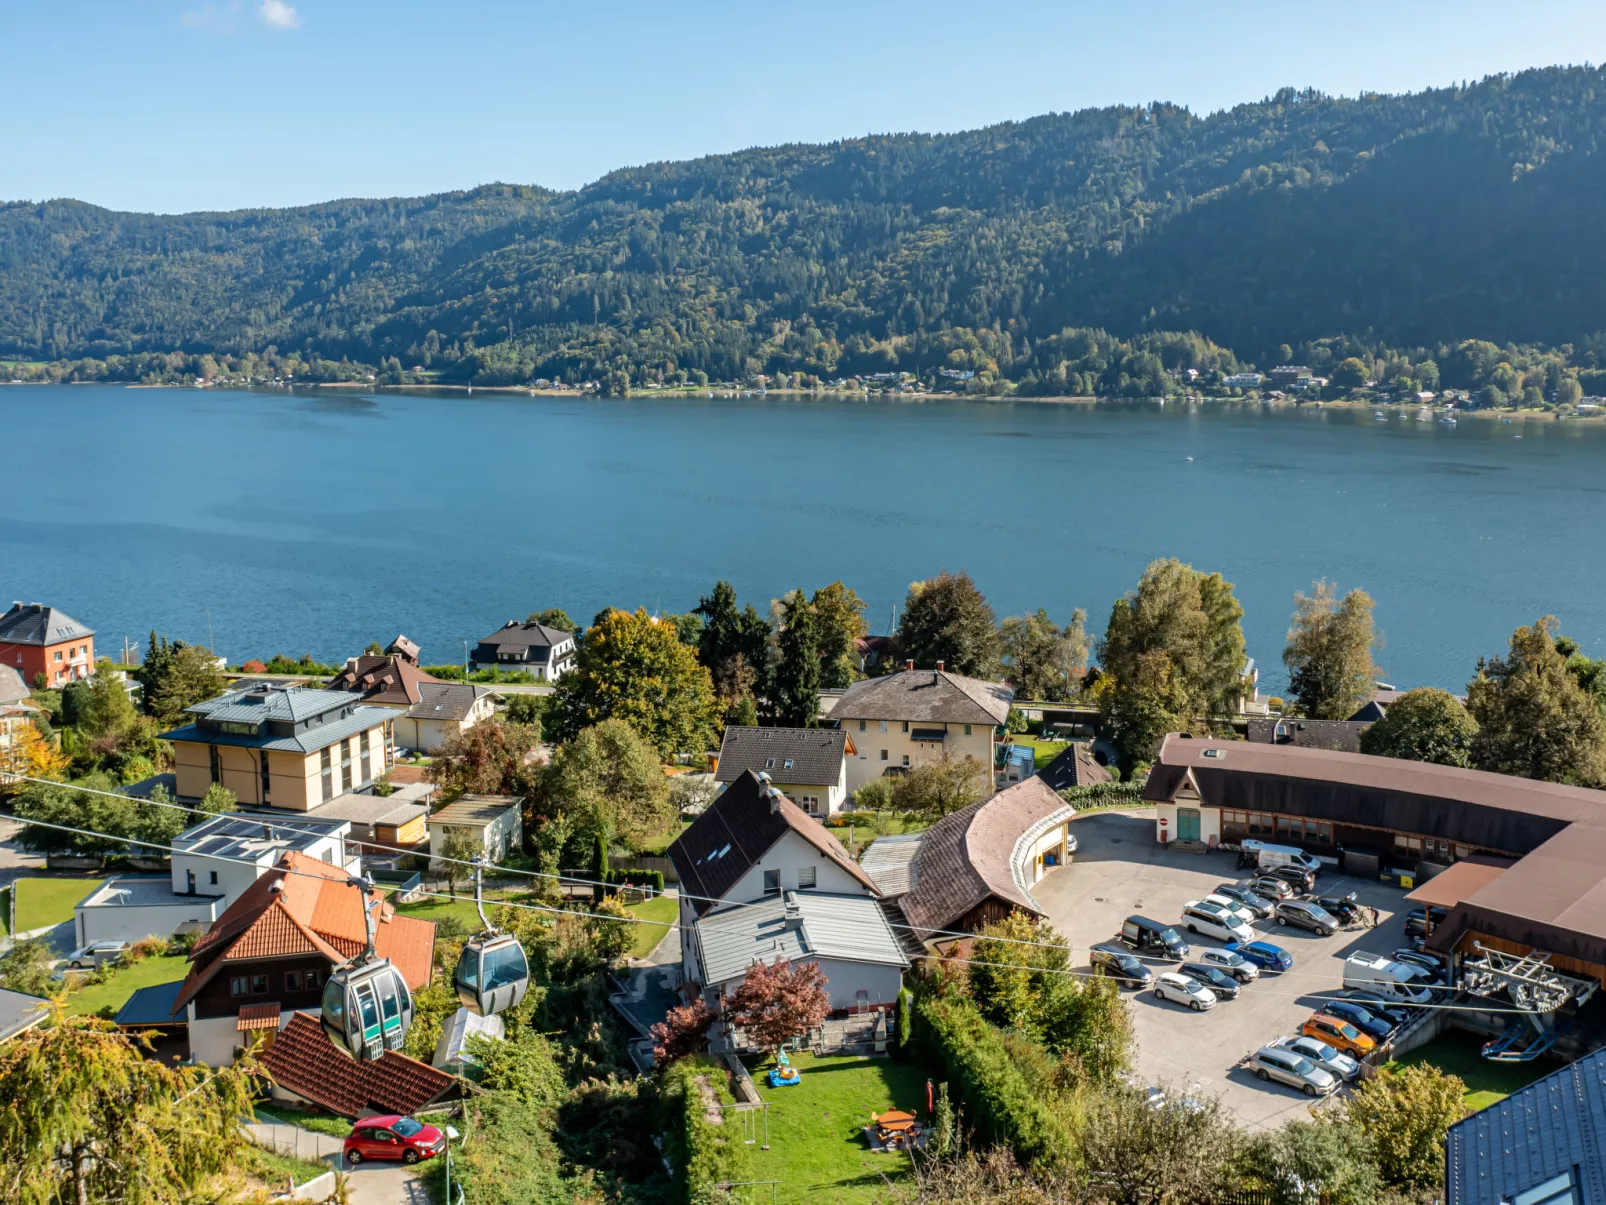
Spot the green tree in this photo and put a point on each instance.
(1350, 373)
(1425, 724)
(1043, 660)
(26, 968)
(459, 844)
(1307, 1161)
(175, 676)
(839, 626)
(491, 758)
(1405, 1113)
(1569, 392)
(940, 787)
(733, 645)
(1533, 717)
(91, 1118)
(1137, 1153)
(609, 784)
(554, 617)
(947, 619)
(634, 668)
(796, 693)
(1329, 652)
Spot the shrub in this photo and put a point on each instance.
(636, 878)
(905, 1023)
(702, 1154)
(1105, 795)
(147, 947)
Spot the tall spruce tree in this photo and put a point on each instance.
(796, 695)
(1534, 718)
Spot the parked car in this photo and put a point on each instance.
(1295, 1070)
(96, 953)
(1215, 921)
(1340, 1034)
(1222, 984)
(1358, 1015)
(1120, 964)
(1272, 888)
(1152, 937)
(1297, 877)
(1236, 965)
(1393, 1012)
(1416, 920)
(1180, 988)
(1346, 907)
(1243, 912)
(1329, 1058)
(1396, 980)
(1269, 857)
(1258, 904)
(1263, 954)
(393, 1137)
(1431, 965)
(1304, 915)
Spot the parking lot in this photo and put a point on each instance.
(1119, 870)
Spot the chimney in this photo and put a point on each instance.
(909, 664)
(939, 666)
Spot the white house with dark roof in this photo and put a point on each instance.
(444, 710)
(545, 652)
(905, 719)
(807, 765)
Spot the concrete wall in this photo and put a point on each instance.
(893, 738)
(116, 922)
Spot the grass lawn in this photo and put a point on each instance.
(436, 910)
(335, 1127)
(125, 982)
(273, 1169)
(663, 910)
(1487, 1081)
(817, 1147)
(5, 912)
(44, 902)
(1043, 751)
(655, 846)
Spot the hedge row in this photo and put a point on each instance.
(997, 1099)
(636, 878)
(702, 1155)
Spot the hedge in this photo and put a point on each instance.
(1002, 1106)
(636, 878)
(702, 1155)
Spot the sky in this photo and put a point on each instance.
(177, 105)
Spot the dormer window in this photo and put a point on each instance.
(787, 764)
(769, 763)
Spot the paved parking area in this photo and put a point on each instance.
(1118, 870)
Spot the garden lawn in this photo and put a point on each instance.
(5, 912)
(42, 903)
(1043, 751)
(817, 1145)
(1487, 1081)
(661, 910)
(655, 846)
(124, 982)
(335, 1127)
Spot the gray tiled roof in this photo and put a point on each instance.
(888, 862)
(1074, 767)
(36, 623)
(526, 635)
(12, 688)
(806, 756)
(800, 925)
(1342, 735)
(928, 696)
(446, 700)
(19, 1012)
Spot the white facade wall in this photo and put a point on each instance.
(230, 879)
(1166, 821)
(113, 922)
(214, 1041)
(499, 837)
(894, 739)
(1036, 859)
(844, 981)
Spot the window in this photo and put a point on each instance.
(292, 981)
(772, 882)
(58, 655)
(861, 725)
(906, 725)
(327, 771)
(345, 765)
(769, 764)
(311, 978)
(1558, 1190)
(905, 759)
(806, 877)
(259, 985)
(967, 729)
(215, 762)
(883, 725)
(367, 774)
(238, 986)
(1407, 845)
(211, 877)
(883, 755)
(787, 764)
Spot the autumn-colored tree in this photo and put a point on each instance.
(939, 788)
(683, 1031)
(491, 758)
(777, 1001)
(1329, 652)
(948, 619)
(34, 755)
(253, 666)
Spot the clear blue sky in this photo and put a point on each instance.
(173, 105)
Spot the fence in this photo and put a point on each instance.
(664, 866)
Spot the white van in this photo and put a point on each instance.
(1213, 921)
(1269, 857)
(1390, 979)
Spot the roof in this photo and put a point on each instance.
(1460, 881)
(806, 756)
(407, 803)
(304, 1061)
(470, 810)
(457, 1029)
(736, 831)
(514, 634)
(1554, 1126)
(39, 624)
(146, 891)
(12, 688)
(256, 701)
(152, 1006)
(1074, 767)
(257, 1016)
(1344, 735)
(406, 648)
(974, 854)
(888, 860)
(447, 700)
(305, 906)
(926, 696)
(360, 720)
(20, 1011)
(257, 834)
(390, 679)
(797, 926)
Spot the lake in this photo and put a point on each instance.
(317, 521)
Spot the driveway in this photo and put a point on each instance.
(1118, 870)
(371, 1183)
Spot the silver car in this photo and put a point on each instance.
(1184, 990)
(96, 953)
(1230, 961)
(1328, 1058)
(1295, 1070)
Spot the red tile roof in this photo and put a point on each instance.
(257, 1016)
(304, 1061)
(304, 906)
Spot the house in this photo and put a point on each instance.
(307, 1068)
(1289, 374)
(1542, 1145)
(289, 747)
(495, 821)
(1074, 767)
(755, 846)
(404, 648)
(545, 652)
(914, 716)
(390, 680)
(20, 1012)
(1245, 380)
(443, 710)
(44, 644)
(212, 865)
(16, 716)
(1341, 735)
(979, 864)
(384, 822)
(807, 765)
(273, 949)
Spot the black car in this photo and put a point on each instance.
(1430, 965)
(1224, 985)
(1304, 915)
(1416, 920)
(1363, 1019)
(1120, 964)
(1346, 907)
(1297, 877)
(1390, 1010)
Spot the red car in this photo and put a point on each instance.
(393, 1137)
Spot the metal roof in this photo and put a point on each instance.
(888, 862)
(257, 702)
(153, 1006)
(19, 1011)
(799, 925)
(38, 623)
(310, 741)
(255, 834)
(1554, 1126)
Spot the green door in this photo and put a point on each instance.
(1187, 824)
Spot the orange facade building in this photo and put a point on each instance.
(40, 642)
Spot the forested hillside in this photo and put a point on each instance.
(1395, 221)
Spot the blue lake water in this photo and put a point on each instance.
(317, 522)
